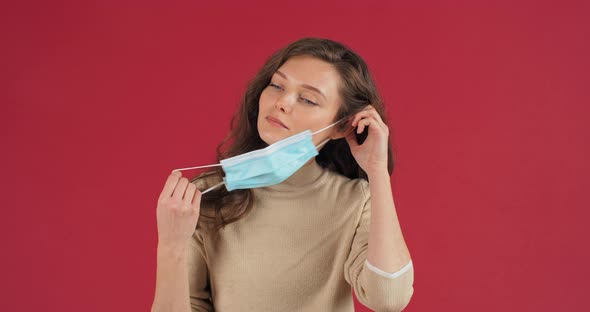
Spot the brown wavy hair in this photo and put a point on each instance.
(220, 207)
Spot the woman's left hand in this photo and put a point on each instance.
(371, 155)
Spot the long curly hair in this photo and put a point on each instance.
(220, 207)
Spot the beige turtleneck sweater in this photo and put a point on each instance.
(301, 248)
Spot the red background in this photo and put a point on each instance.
(487, 102)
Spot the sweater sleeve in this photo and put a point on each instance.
(375, 288)
(198, 275)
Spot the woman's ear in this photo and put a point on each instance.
(341, 134)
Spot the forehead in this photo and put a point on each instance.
(312, 71)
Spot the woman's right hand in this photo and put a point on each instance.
(178, 210)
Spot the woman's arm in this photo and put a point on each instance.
(375, 288)
(172, 292)
(387, 249)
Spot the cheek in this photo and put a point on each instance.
(263, 104)
(265, 99)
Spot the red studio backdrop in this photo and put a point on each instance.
(488, 109)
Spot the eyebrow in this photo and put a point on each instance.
(306, 86)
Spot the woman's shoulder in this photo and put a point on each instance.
(346, 185)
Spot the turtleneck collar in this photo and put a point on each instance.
(305, 177)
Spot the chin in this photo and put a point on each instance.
(268, 136)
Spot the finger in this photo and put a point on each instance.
(373, 114)
(363, 123)
(372, 121)
(377, 122)
(360, 125)
(383, 126)
(379, 119)
(189, 194)
(180, 189)
(170, 185)
(358, 116)
(362, 114)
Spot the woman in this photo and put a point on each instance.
(301, 244)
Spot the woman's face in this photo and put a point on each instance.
(290, 97)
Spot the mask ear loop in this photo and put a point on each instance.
(206, 166)
(324, 128)
(324, 142)
(213, 187)
(196, 167)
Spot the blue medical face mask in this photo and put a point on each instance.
(270, 165)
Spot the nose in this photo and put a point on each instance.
(284, 103)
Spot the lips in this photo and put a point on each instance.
(277, 121)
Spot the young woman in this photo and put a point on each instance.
(303, 243)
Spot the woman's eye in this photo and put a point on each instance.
(308, 101)
(272, 85)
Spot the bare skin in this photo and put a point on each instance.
(177, 213)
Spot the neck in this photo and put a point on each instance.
(307, 175)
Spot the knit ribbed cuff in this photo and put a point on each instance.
(386, 274)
